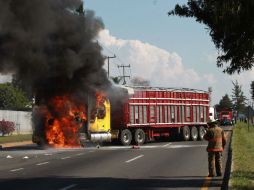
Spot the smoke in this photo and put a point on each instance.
(50, 47)
(139, 81)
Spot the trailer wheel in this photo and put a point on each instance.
(201, 132)
(194, 133)
(126, 137)
(186, 133)
(139, 136)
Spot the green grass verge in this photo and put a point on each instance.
(243, 157)
(15, 138)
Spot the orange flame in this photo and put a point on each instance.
(63, 122)
(100, 98)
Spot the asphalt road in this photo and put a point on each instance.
(161, 165)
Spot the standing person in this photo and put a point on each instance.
(216, 143)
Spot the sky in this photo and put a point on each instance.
(167, 51)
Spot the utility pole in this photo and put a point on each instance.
(108, 57)
(252, 113)
(248, 117)
(124, 76)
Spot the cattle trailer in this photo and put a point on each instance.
(140, 114)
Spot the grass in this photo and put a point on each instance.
(15, 138)
(243, 157)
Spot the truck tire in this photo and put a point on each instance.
(126, 137)
(139, 137)
(201, 132)
(194, 133)
(186, 133)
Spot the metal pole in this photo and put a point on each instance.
(124, 76)
(108, 67)
(251, 113)
(248, 117)
(108, 62)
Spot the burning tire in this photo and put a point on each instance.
(201, 132)
(186, 133)
(126, 137)
(194, 133)
(139, 137)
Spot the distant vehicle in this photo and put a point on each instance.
(226, 117)
(212, 115)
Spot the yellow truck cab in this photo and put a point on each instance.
(99, 122)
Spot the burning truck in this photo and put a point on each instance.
(50, 47)
(134, 115)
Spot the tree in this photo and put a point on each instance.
(12, 98)
(224, 104)
(19, 84)
(231, 26)
(252, 90)
(238, 98)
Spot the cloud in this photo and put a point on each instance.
(210, 78)
(211, 57)
(160, 67)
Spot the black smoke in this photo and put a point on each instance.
(50, 47)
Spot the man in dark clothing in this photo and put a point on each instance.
(216, 143)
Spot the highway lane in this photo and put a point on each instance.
(166, 165)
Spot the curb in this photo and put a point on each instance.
(226, 178)
(14, 144)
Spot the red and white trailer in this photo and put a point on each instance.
(147, 113)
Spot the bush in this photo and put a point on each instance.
(6, 127)
(12, 98)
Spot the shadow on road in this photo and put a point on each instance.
(21, 148)
(104, 183)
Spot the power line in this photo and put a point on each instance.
(117, 57)
(108, 57)
(124, 76)
(110, 51)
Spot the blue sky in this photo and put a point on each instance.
(168, 51)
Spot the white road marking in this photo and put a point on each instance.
(140, 156)
(150, 146)
(186, 146)
(67, 157)
(166, 144)
(9, 156)
(15, 170)
(116, 147)
(25, 157)
(69, 187)
(91, 151)
(48, 154)
(80, 154)
(43, 163)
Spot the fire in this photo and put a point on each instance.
(100, 98)
(63, 122)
